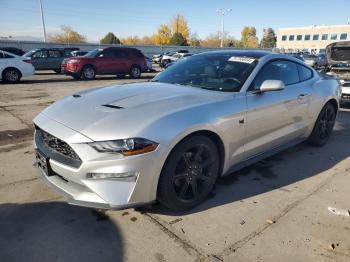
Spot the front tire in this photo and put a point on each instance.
(323, 126)
(189, 173)
(11, 75)
(88, 73)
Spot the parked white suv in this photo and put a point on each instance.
(13, 67)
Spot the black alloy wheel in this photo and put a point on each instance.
(323, 126)
(189, 173)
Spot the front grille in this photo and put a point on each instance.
(56, 149)
(345, 96)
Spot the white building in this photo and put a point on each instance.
(311, 38)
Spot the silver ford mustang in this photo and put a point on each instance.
(171, 138)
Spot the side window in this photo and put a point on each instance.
(304, 73)
(283, 70)
(54, 53)
(40, 54)
(107, 53)
(120, 53)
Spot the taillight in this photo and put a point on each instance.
(27, 61)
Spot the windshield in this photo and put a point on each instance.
(225, 73)
(94, 52)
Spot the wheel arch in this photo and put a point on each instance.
(334, 103)
(10, 67)
(89, 64)
(135, 65)
(213, 136)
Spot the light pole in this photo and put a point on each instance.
(42, 20)
(222, 12)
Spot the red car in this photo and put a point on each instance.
(106, 61)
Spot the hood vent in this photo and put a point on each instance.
(113, 106)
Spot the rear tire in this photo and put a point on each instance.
(88, 73)
(323, 126)
(135, 72)
(189, 173)
(11, 75)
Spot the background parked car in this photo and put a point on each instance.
(78, 53)
(316, 61)
(166, 58)
(157, 58)
(106, 61)
(297, 55)
(338, 56)
(13, 50)
(173, 57)
(149, 64)
(178, 58)
(13, 67)
(48, 58)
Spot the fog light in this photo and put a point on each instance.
(126, 176)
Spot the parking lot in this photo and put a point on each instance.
(274, 210)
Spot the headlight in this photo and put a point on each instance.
(73, 61)
(127, 147)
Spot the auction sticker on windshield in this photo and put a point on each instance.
(241, 59)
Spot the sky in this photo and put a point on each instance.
(141, 17)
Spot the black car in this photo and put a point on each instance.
(13, 50)
(48, 58)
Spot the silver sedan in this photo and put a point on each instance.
(169, 140)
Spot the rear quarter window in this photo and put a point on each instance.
(304, 73)
(138, 53)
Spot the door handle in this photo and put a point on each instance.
(302, 96)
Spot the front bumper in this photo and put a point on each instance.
(345, 94)
(116, 193)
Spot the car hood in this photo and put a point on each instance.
(338, 53)
(125, 110)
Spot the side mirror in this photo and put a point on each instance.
(271, 85)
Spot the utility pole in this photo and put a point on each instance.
(222, 12)
(42, 20)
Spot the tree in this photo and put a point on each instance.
(68, 36)
(179, 25)
(110, 38)
(131, 40)
(163, 35)
(178, 39)
(249, 38)
(213, 40)
(194, 40)
(269, 39)
(147, 40)
(232, 42)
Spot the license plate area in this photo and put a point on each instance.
(42, 162)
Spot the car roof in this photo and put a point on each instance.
(122, 47)
(248, 53)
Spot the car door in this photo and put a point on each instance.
(54, 59)
(278, 117)
(39, 59)
(122, 61)
(105, 62)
